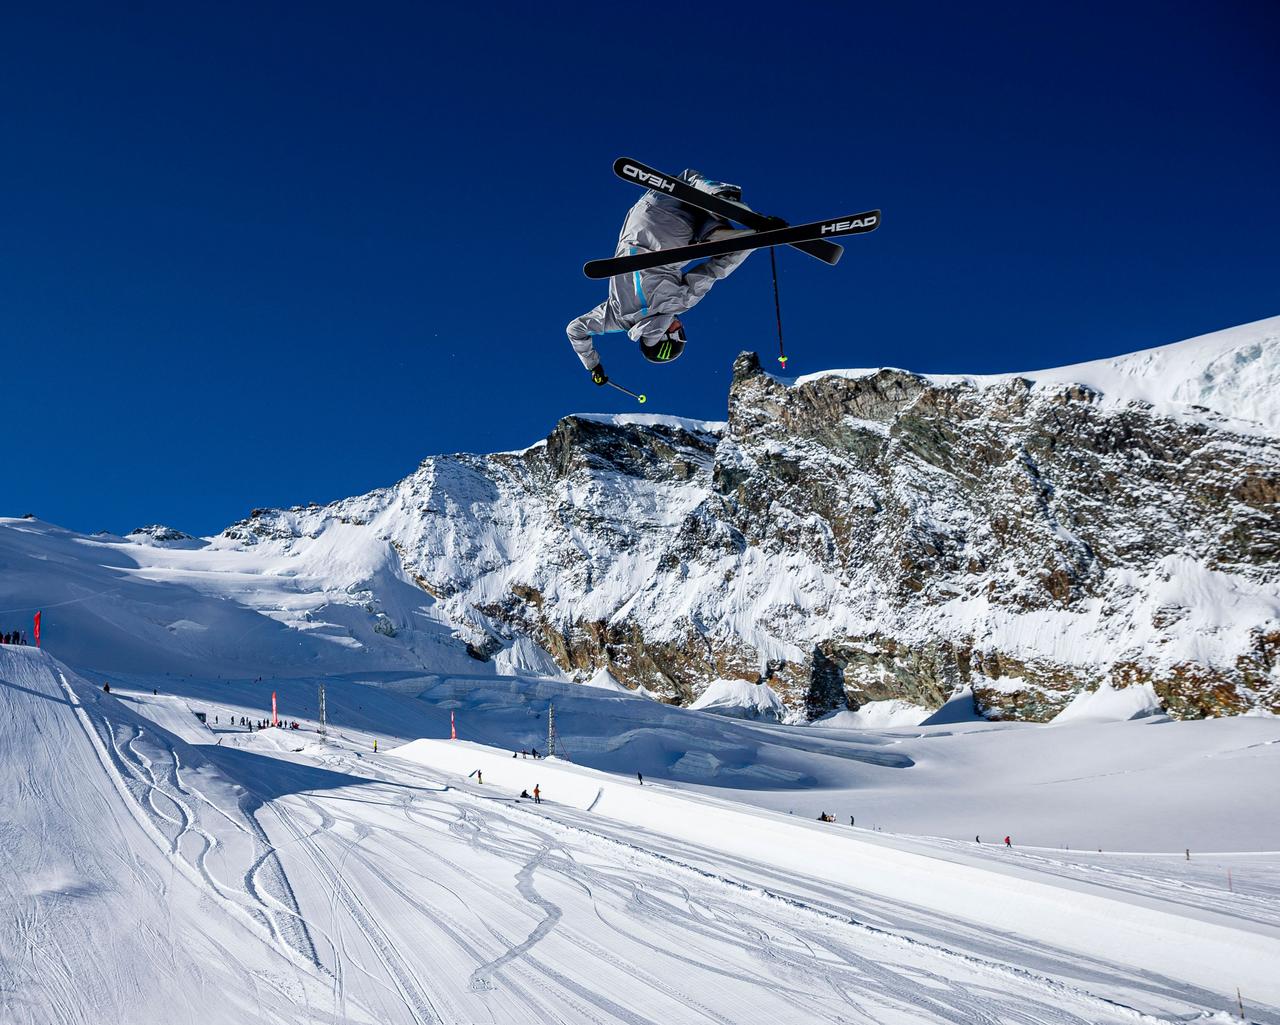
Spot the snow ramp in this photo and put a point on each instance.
(1214, 952)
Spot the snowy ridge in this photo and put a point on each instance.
(683, 423)
(1234, 372)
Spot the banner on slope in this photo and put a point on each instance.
(37, 629)
(275, 719)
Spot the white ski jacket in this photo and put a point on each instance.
(642, 304)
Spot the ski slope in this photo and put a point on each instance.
(138, 885)
(185, 871)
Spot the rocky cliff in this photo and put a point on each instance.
(864, 535)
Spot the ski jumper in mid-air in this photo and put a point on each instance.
(646, 304)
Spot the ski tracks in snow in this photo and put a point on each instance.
(147, 772)
(443, 902)
(622, 933)
(413, 992)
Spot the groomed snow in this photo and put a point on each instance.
(1090, 921)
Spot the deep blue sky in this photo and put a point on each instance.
(266, 254)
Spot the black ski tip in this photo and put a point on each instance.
(595, 272)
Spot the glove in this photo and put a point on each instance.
(598, 376)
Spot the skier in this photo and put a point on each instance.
(1008, 842)
(640, 777)
(647, 304)
(479, 776)
(106, 688)
(537, 794)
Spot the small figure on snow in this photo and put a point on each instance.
(640, 777)
(106, 688)
(1008, 842)
(647, 304)
(537, 794)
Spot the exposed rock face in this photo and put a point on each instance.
(858, 538)
(159, 532)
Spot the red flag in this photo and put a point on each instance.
(453, 728)
(275, 719)
(37, 629)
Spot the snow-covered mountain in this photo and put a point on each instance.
(844, 537)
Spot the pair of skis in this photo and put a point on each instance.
(813, 238)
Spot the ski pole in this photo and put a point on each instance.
(639, 398)
(777, 308)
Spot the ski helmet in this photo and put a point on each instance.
(668, 347)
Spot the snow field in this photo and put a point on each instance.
(427, 897)
(1193, 945)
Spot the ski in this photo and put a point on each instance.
(854, 224)
(646, 177)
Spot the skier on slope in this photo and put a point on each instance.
(647, 304)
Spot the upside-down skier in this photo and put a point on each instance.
(646, 305)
